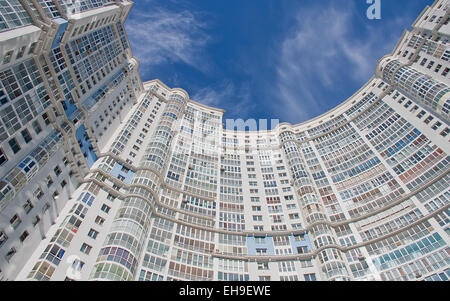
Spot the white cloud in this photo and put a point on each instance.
(215, 96)
(160, 36)
(321, 50)
(235, 99)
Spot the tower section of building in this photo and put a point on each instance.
(163, 191)
(63, 66)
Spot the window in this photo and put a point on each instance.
(15, 147)
(93, 234)
(3, 157)
(3, 99)
(258, 228)
(256, 208)
(429, 119)
(106, 208)
(421, 114)
(26, 135)
(85, 248)
(257, 218)
(36, 220)
(77, 265)
(8, 57)
(15, 221)
(3, 238)
(10, 253)
(57, 170)
(46, 118)
(302, 250)
(37, 127)
(310, 277)
(21, 52)
(263, 266)
(255, 199)
(49, 181)
(99, 220)
(261, 251)
(28, 206)
(38, 193)
(23, 236)
(32, 47)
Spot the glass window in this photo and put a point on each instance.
(28, 206)
(85, 248)
(3, 238)
(21, 52)
(15, 221)
(3, 157)
(93, 234)
(26, 135)
(8, 57)
(15, 147)
(24, 236)
(37, 127)
(310, 277)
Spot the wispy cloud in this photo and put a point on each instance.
(160, 36)
(234, 98)
(323, 48)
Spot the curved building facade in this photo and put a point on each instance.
(160, 190)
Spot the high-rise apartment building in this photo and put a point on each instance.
(104, 177)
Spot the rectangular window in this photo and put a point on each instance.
(32, 47)
(429, 119)
(8, 57)
(26, 136)
(3, 157)
(93, 234)
(24, 236)
(77, 265)
(10, 254)
(21, 52)
(85, 248)
(310, 277)
(49, 181)
(28, 206)
(3, 238)
(36, 220)
(106, 208)
(302, 250)
(46, 118)
(36, 127)
(263, 266)
(99, 220)
(15, 221)
(15, 147)
(57, 170)
(38, 193)
(261, 251)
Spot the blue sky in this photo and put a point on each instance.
(290, 60)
